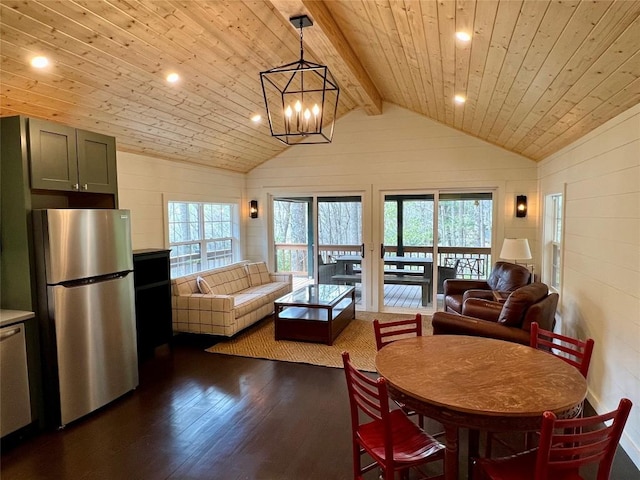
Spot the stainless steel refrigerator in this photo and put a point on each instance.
(86, 309)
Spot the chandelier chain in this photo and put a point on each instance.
(301, 47)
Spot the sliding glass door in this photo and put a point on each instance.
(465, 233)
(406, 257)
(424, 239)
(319, 239)
(427, 238)
(293, 236)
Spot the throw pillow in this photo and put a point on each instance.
(258, 274)
(203, 286)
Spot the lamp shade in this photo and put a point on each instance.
(515, 249)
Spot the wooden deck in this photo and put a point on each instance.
(396, 296)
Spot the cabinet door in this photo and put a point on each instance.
(96, 162)
(52, 151)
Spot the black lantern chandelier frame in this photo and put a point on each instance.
(301, 98)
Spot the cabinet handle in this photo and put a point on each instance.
(76, 186)
(9, 334)
(85, 187)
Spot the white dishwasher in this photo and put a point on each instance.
(15, 401)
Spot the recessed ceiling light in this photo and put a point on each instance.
(459, 99)
(173, 77)
(39, 62)
(256, 118)
(463, 36)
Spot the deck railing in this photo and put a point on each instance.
(470, 262)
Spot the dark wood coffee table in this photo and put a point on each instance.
(315, 313)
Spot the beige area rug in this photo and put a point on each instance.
(358, 339)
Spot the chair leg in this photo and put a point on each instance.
(488, 445)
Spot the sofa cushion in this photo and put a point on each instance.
(246, 303)
(228, 280)
(258, 274)
(272, 291)
(519, 301)
(203, 286)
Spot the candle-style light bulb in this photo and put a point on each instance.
(287, 120)
(298, 108)
(316, 112)
(307, 116)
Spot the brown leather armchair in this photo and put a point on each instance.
(505, 277)
(510, 321)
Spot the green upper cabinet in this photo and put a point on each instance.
(96, 162)
(63, 158)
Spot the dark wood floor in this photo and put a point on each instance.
(198, 415)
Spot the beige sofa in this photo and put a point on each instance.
(240, 295)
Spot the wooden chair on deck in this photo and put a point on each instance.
(394, 442)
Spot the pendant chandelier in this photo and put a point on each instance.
(301, 98)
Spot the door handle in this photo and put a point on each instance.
(362, 250)
(382, 250)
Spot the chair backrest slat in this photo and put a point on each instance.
(572, 350)
(367, 395)
(570, 444)
(388, 332)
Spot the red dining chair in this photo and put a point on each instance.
(388, 332)
(565, 446)
(572, 350)
(394, 443)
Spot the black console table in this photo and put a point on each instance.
(153, 300)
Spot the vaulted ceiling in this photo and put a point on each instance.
(537, 74)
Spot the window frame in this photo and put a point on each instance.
(205, 257)
(554, 231)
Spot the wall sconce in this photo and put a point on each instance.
(253, 209)
(521, 206)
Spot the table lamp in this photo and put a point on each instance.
(515, 248)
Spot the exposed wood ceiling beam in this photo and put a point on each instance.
(328, 41)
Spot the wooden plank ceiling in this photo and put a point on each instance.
(537, 74)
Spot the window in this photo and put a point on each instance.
(201, 236)
(554, 204)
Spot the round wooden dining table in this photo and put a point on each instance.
(479, 383)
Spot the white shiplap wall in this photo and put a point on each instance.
(396, 150)
(601, 274)
(144, 184)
